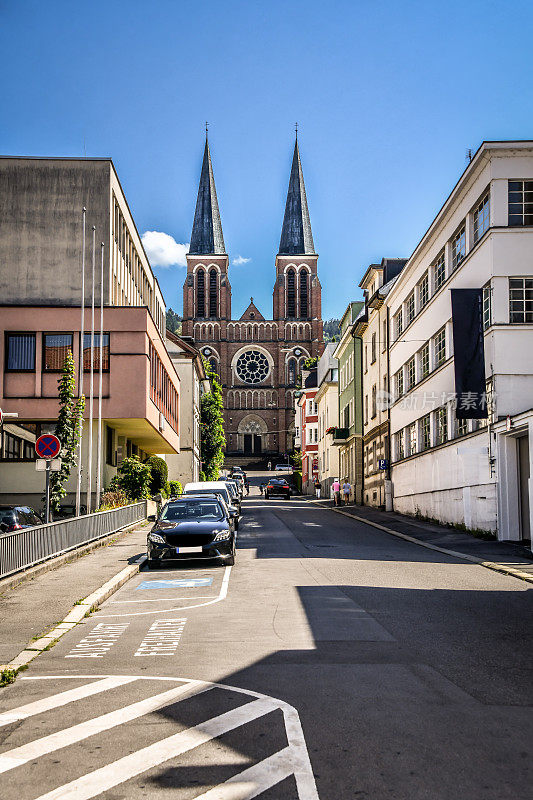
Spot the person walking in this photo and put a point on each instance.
(346, 490)
(269, 465)
(317, 489)
(336, 489)
(261, 488)
(247, 486)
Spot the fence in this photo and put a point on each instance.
(29, 546)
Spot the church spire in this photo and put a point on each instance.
(206, 237)
(296, 234)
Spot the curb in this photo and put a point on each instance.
(76, 614)
(512, 571)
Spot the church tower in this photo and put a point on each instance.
(207, 291)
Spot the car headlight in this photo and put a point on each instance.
(221, 536)
(155, 537)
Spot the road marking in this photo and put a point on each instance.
(293, 759)
(61, 699)
(164, 599)
(64, 738)
(98, 642)
(221, 596)
(162, 638)
(184, 583)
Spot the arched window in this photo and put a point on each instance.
(214, 365)
(200, 293)
(303, 294)
(291, 372)
(213, 294)
(291, 293)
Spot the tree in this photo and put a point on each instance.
(332, 330)
(158, 474)
(212, 438)
(133, 477)
(310, 363)
(173, 322)
(68, 430)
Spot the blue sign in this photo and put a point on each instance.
(383, 463)
(186, 583)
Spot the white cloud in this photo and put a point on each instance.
(163, 250)
(240, 260)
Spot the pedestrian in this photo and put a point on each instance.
(247, 486)
(336, 489)
(346, 490)
(317, 489)
(261, 488)
(269, 465)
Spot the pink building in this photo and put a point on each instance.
(308, 416)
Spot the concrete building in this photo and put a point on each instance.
(187, 361)
(474, 472)
(41, 202)
(327, 401)
(371, 326)
(308, 416)
(348, 437)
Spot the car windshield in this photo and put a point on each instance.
(279, 481)
(192, 509)
(224, 493)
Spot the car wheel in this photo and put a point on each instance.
(229, 561)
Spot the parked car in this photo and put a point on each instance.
(69, 510)
(277, 487)
(191, 527)
(14, 518)
(239, 477)
(234, 493)
(282, 467)
(216, 487)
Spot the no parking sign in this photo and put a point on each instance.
(47, 446)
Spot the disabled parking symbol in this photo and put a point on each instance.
(185, 583)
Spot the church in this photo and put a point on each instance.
(258, 360)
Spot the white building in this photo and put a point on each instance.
(327, 401)
(474, 472)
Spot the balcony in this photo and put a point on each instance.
(340, 435)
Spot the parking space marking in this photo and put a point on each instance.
(221, 596)
(182, 583)
(292, 759)
(163, 638)
(163, 599)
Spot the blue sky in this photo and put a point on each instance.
(388, 96)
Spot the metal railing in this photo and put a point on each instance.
(24, 548)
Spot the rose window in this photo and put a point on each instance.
(252, 367)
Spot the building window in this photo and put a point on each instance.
(521, 299)
(366, 358)
(291, 294)
(213, 294)
(373, 348)
(461, 427)
(398, 324)
(366, 409)
(439, 271)
(425, 432)
(384, 337)
(399, 383)
(410, 308)
(440, 347)
(520, 206)
(458, 247)
(347, 414)
(412, 438)
(411, 373)
(400, 444)
(110, 450)
(55, 349)
(481, 218)
(374, 401)
(291, 372)
(20, 352)
(213, 363)
(423, 291)
(424, 361)
(162, 391)
(200, 293)
(96, 352)
(487, 306)
(303, 294)
(442, 425)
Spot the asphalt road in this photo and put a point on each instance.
(333, 661)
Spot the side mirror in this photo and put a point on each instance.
(151, 518)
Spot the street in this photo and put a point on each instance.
(333, 661)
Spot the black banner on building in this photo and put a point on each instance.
(469, 353)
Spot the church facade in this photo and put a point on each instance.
(258, 359)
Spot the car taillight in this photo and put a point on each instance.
(14, 527)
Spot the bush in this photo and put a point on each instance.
(113, 498)
(174, 488)
(202, 475)
(159, 474)
(133, 479)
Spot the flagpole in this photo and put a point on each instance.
(91, 388)
(99, 446)
(80, 354)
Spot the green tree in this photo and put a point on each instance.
(68, 430)
(332, 330)
(158, 474)
(212, 438)
(173, 322)
(133, 477)
(310, 363)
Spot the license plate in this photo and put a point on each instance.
(188, 549)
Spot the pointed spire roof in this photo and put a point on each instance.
(206, 234)
(296, 234)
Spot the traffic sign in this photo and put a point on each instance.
(383, 463)
(47, 446)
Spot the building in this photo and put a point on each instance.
(308, 416)
(187, 361)
(468, 471)
(41, 202)
(348, 437)
(327, 401)
(371, 326)
(258, 359)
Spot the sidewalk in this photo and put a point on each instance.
(507, 554)
(32, 608)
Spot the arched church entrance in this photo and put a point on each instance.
(252, 433)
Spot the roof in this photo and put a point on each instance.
(206, 237)
(252, 312)
(296, 234)
(189, 351)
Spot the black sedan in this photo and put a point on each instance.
(192, 527)
(279, 487)
(13, 518)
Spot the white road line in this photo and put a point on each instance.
(221, 596)
(61, 699)
(254, 780)
(67, 736)
(94, 783)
